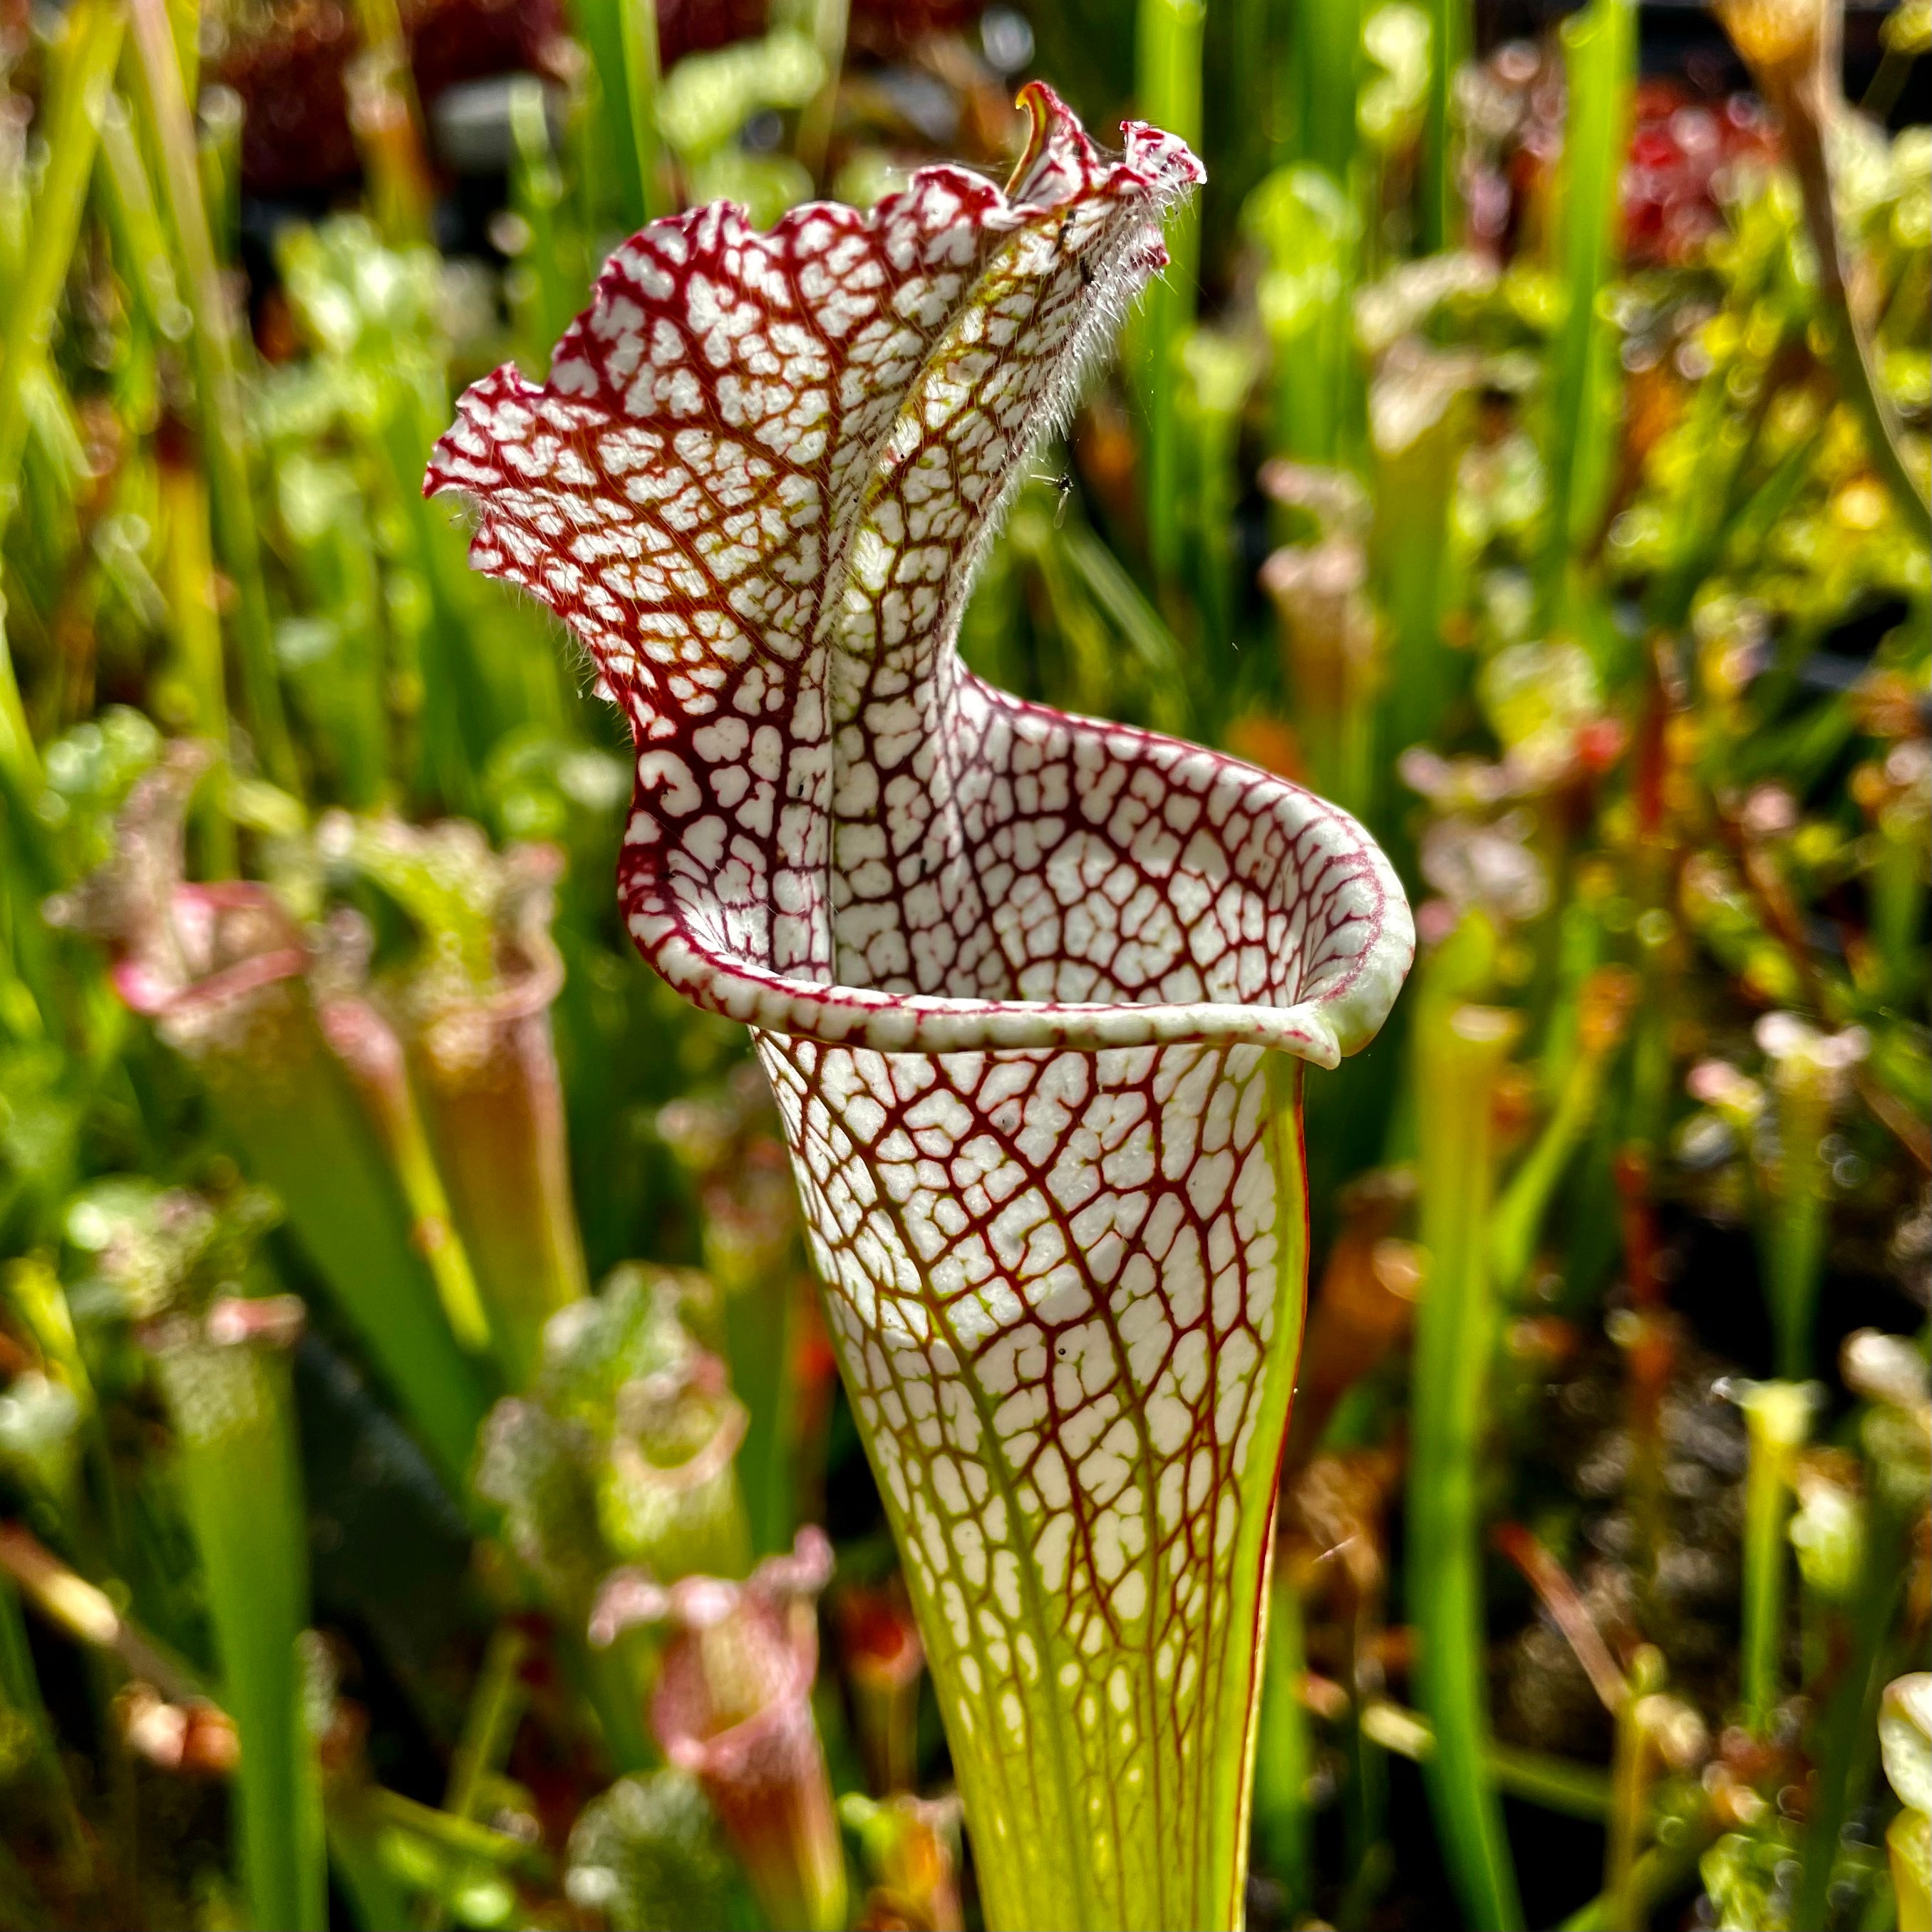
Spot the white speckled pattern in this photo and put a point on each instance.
(1013, 974)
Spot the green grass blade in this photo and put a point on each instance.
(553, 261)
(188, 583)
(1311, 232)
(1600, 52)
(387, 118)
(1553, 1783)
(1284, 1755)
(1523, 1204)
(598, 25)
(1141, 627)
(637, 38)
(217, 385)
(1219, 370)
(1451, 36)
(1460, 1050)
(1327, 52)
(90, 46)
(1167, 86)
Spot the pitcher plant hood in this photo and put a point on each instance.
(755, 486)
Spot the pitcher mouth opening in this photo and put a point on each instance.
(1354, 958)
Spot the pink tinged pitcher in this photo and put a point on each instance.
(1015, 976)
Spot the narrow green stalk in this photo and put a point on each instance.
(1311, 230)
(484, 678)
(637, 31)
(1894, 1497)
(1219, 371)
(1460, 1052)
(489, 1728)
(299, 1127)
(185, 24)
(376, 1901)
(760, 1337)
(388, 120)
(1630, 1788)
(133, 222)
(1523, 1204)
(365, 1044)
(464, 1836)
(1450, 38)
(1794, 1254)
(1285, 1754)
(1253, 37)
(1167, 86)
(598, 25)
(495, 1707)
(219, 113)
(1369, 1854)
(553, 260)
(83, 71)
(231, 1409)
(1142, 629)
(1574, 1790)
(1575, 949)
(1092, 670)
(1600, 55)
(1326, 51)
(217, 387)
(1661, 1871)
(188, 575)
(1777, 1416)
(1570, 1790)
(1849, 351)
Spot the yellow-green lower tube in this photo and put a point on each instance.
(1079, 1460)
